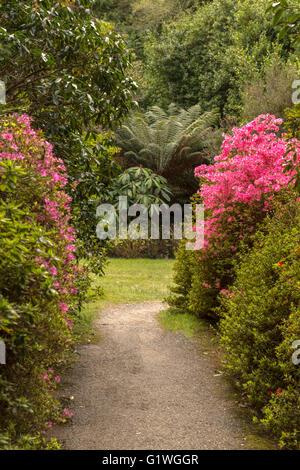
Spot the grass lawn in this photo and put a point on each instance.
(128, 281)
(185, 323)
(136, 280)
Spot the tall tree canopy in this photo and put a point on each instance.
(206, 56)
(69, 71)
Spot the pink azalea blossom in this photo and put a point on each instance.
(64, 308)
(53, 271)
(66, 413)
(8, 137)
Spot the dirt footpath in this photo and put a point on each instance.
(145, 388)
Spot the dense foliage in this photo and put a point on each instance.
(287, 18)
(227, 67)
(207, 56)
(134, 17)
(269, 91)
(140, 186)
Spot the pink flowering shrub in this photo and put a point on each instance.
(40, 280)
(237, 191)
(243, 179)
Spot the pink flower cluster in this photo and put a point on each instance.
(247, 173)
(50, 376)
(66, 414)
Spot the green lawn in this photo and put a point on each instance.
(136, 280)
(129, 281)
(185, 323)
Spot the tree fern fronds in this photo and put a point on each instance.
(171, 142)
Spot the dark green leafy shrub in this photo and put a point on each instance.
(287, 19)
(261, 320)
(140, 186)
(183, 275)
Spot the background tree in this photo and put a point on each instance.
(207, 56)
(287, 18)
(270, 90)
(69, 71)
(134, 17)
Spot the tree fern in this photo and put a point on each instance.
(170, 142)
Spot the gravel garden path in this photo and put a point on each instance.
(142, 387)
